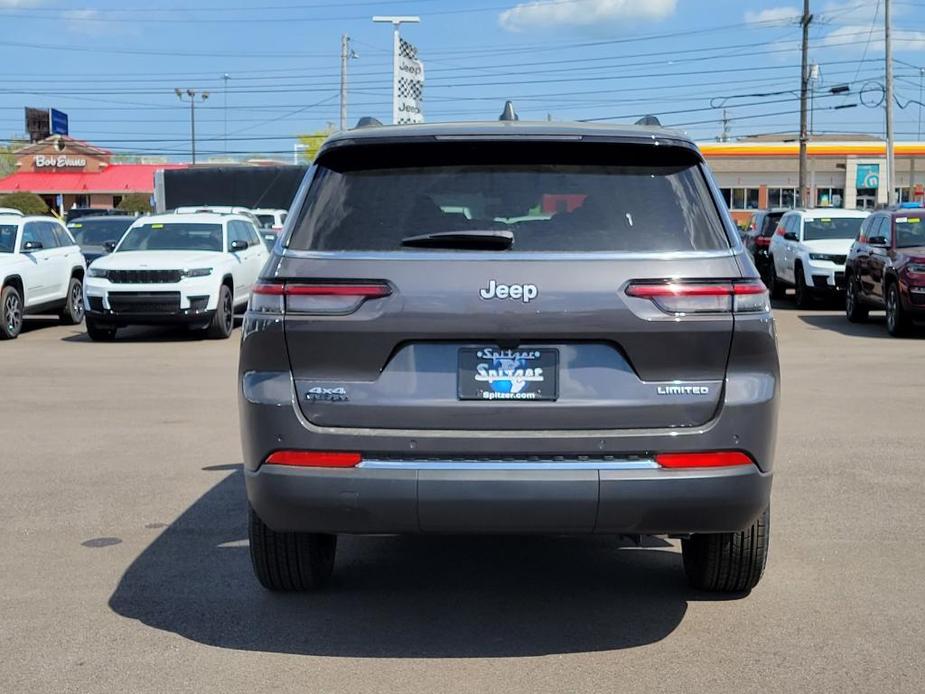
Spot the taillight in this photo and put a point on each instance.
(315, 458)
(763, 242)
(701, 459)
(681, 298)
(335, 298)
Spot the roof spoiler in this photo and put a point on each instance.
(649, 120)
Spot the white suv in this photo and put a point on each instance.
(808, 252)
(41, 271)
(192, 269)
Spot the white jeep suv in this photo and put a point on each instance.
(41, 271)
(808, 252)
(192, 269)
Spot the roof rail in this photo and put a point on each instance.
(368, 122)
(508, 113)
(650, 120)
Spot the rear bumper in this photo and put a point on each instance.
(406, 499)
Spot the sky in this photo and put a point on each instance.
(114, 66)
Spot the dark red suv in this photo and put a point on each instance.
(886, 269)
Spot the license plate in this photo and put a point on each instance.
(491, 373)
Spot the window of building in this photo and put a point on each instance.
(740, 198)
(830, 197)
(904, 195)
(782, 197)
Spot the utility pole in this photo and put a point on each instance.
(805, 21)
(890, 137)
(192, 114)
(396, 22)
(226, 77)
(346, 55)
(725, 135)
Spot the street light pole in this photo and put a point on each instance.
(346, 55)
(192, 94)
(890, 136)
(805, 21)
(396, 22)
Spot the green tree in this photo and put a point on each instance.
(7, 160)
(27, 203)
(313, 142)
(136, 203)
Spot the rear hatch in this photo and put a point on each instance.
(488, 286)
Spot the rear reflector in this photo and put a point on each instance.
(763, 242)
(315, 458)
(681, 298)
(713, 459)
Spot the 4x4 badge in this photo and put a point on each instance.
(521, 292)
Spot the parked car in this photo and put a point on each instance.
(604, 365)
(93, 233)
(192, 269)
(10, 211)
(78, 212)
(41, 271)
(271, 223)
(757, 238)
(886, 270)
(808, 252)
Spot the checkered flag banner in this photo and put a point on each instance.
(409, 87)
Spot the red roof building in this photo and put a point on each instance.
(67, 173)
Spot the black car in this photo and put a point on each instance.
(92, 233)
(757, 238)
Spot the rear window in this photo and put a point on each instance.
(820, 228)
(770, 223)
(586, 197)
(266, 220)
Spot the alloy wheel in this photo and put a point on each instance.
(891, 309)
(12, 313)
(228, 311)
(77, 301)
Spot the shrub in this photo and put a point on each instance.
(27, 203)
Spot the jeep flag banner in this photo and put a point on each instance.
(409, 85)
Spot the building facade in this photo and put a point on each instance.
(67, 173)
(754, 174)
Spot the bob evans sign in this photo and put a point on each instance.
(58, 161)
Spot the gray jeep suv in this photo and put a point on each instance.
(509, 327)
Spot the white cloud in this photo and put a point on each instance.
(581, 13)
(84, 22)
(773, 14)
(19, 3)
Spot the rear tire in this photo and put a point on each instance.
(11, 312)
(290, 561)
(73, 311)
(728, 562)
(855, 311)
(775, 288)
(897, 322)
(100, 332)
(802, 294)
(223, 321)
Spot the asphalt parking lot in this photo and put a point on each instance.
(125, 569)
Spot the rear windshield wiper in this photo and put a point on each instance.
(485, 240)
